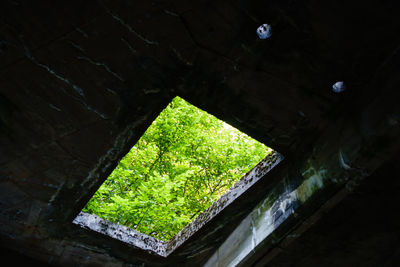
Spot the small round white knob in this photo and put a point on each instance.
(264, 31)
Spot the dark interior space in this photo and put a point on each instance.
(81, 81)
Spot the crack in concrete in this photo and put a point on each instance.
(4, 44)
(111, 91)
(170, 13)
(71, 154)
(133, 50)
(83, 103)
(236, 65)
(82, 32)
(54, 107)
(105, 66)
(54, 196)
(50, 142)
(123, 23)
(180, 57)
(52, 72)
(194, 40)
(387, 60)
(46, 44)
(151, 91)
(77, 89)
(77, 47)
(30, 181)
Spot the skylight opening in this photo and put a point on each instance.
(184, 162)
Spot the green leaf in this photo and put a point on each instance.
(184, 162)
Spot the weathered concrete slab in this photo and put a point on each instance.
(81, 81)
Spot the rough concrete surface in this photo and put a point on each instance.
(80, 81)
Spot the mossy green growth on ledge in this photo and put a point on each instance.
(184, 162)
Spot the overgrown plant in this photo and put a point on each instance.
(184, 162)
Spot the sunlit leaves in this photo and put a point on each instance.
(184, 162)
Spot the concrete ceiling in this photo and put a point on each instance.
(80, 81)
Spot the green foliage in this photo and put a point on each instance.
(185, 161)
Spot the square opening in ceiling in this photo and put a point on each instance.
(184, 164)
